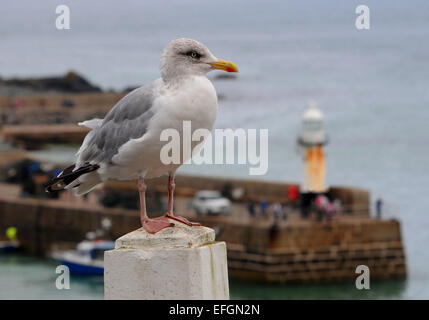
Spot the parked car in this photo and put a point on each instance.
(211, 202)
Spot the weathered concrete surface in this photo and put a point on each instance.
(180, 262)
(179, 236)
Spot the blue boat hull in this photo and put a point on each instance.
(81, 269)
(8, 248)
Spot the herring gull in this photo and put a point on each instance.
(126, 144)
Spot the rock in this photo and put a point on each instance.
(70, 83)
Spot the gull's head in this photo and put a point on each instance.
(184, 57)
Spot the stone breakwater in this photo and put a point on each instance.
(257, 250)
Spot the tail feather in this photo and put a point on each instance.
(91, 124)
(69, 176)
(86, 183)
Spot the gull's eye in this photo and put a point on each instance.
(193, 54)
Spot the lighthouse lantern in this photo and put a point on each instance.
(312, 128)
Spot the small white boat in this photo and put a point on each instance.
(87, 259)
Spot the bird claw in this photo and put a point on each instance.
(157, 224)
(183, 220)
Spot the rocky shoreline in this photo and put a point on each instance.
(68, 98)
(71, 82)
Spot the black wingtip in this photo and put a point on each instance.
(67, 176)
(55, 186)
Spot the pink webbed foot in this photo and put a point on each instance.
(183, 220)
(157, 224)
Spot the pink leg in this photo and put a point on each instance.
(150, 225)
(169, 214)
(171, 187)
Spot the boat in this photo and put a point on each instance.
(87, 258)
(9, 246)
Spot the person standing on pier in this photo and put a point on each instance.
(251, 209)
(264, 206)
(378, 207)
(285, 211)
(276, 210)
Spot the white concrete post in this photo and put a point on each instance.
(180, 262)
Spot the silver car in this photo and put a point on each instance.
(211, 202)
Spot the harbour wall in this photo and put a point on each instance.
(300, 252)
(313, 251)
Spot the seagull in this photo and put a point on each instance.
(126, 144)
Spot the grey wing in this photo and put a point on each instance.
(128, 119)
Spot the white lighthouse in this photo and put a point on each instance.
(311, 140)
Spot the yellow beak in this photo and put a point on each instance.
(224, 65)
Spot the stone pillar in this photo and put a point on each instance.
(179, 262)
